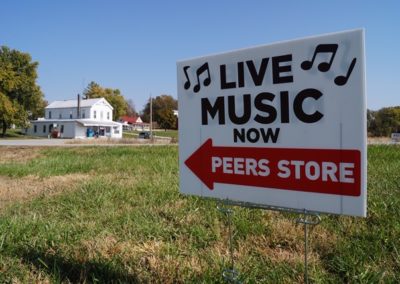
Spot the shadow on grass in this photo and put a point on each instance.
(70, 270)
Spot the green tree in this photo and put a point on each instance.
(7, 112)
(384, 121)
(113, 96)
(18, 76)
(167, 119)
(163, 107)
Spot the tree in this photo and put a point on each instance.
(167, 119)
(20, 93)
(163, 107)
(113, 96)
(384, 121)
(7, 112)
(131, 111)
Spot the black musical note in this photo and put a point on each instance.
(206, 81)
(323, 66)
(342, 80)
(187, 83)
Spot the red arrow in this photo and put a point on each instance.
(331, 171)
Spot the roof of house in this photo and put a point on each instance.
(129, 119)
(74, 103)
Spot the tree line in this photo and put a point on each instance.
(22, 100)
(383, 122)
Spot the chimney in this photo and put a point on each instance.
(79, 107)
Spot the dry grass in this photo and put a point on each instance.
(150, 258)
(25, 188)
(19, 154)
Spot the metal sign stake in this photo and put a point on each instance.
(309, 218)
(230, 274)
(315, 220)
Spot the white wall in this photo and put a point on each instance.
(116, 131)
(101, 113)
(69, 128)
(80, 131)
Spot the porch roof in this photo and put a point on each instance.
(85, 122)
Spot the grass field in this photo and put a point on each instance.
(114, 214)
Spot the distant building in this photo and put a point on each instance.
(133, 123)
(77, 119)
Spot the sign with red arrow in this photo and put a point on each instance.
(281, 125)
(308, 170)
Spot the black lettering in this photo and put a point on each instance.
(256, 135)
(257, 77)
(241, 135)
(219, 107)
(277, 69)
(285, 107)
(270, 110)
(298, 106)
(270, 134)
(246, 110)
(240, 74)
(224, 84)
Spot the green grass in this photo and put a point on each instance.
(16, 134)
(128, 223)
(167, 133)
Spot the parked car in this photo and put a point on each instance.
(145, 135)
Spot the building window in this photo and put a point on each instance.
(62, 129)
(49, 114)
(50, 128)
(70, 114)
(60, 116)
(35, 128)
(44, 128)
(94, 114)
(83, 114)
(108, 115)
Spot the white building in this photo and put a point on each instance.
(77, 119)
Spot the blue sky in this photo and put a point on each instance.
(134, 45)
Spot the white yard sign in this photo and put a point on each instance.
(280, 125)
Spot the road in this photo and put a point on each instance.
(33, 142)
(77, 142)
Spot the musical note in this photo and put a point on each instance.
(342, 80)
(187, 83)
(323, 66)
(206, 81)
